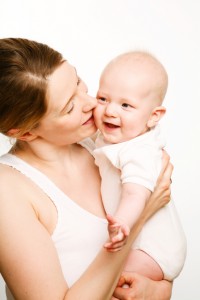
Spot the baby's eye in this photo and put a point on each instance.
(101, 99)
(126, 105)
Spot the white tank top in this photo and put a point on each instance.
(79, 235)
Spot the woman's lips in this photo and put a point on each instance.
(89, 121)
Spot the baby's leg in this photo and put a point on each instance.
(140, 262)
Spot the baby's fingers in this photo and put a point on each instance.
(113, 247)
(119, 237)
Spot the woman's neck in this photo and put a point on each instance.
(37, 152)
(65, 167)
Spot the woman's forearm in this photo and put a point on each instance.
(100, 279)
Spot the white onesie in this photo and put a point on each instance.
(139, 161)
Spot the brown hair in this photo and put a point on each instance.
(24, 68)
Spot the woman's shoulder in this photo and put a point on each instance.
(13, 192)
(14, 186)
(11, 183)
(7, 176)
(20, 194)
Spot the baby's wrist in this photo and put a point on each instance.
(121, 221)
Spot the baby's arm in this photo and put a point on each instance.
(132, 203)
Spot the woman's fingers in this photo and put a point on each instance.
(167, 169)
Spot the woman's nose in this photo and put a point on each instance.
(89, 103)
(111, 110)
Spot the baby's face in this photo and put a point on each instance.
(125, 103)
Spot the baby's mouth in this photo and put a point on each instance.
(109, 125)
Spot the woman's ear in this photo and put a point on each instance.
(156, 115)
(27, 136)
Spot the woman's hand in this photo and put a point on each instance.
(141, 288)
(164, 180)
(162, 193)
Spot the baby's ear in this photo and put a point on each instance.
(15, 133)
(156, 115)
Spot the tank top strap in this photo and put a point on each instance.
(41, 180)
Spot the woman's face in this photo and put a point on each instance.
(69, 116)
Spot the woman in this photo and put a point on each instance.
(52, 221)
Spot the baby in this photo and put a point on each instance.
(129, 155)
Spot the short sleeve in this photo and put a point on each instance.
(140, 165)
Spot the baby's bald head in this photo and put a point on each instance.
(146, 68)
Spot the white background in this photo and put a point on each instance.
(91, 32)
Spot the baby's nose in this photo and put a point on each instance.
(111, 110)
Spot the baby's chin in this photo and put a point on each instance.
(109, 139)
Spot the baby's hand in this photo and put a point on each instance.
(118, 233)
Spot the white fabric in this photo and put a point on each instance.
(139, 161)
(79, 235)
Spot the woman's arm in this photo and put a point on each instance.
(28, 258)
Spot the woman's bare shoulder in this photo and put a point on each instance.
(19, 193)
(9, 176)
(14, 186)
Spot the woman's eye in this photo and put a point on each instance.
(78, 80)
(70, 107)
